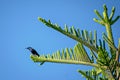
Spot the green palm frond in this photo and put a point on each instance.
(83, 36)
(77, 55)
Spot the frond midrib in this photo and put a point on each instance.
(70, 61)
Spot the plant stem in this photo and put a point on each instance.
(109, 32)
(110, 36)
(40, 59)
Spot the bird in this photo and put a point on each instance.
(33, 51)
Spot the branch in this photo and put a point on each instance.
(72, 33)
(43, 59)
(107, 22)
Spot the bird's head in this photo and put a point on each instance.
(29, 48)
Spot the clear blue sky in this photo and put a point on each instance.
(19, 28)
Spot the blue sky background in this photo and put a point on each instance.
(20, 28)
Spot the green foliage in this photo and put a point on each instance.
(77, 55)
(105, 62)
(86, 74)
(76, 34)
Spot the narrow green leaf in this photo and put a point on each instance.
(78, 32)
(49, 22)
(95, 38)
(54, 56)
(99, 21)
(86, 35)
(42, 63)
(112, 22)
(105, 13)
(119, 45)
(90, 38)
(71, 31)
(77, 56)
(67, 54)
(85, 75)
(100, 42)
(48, 56)
(83, 36)
(74, 32)
(109, 42)
(93, 54)
(98, 14)
(104, 45)
(63, 54)
(72, 54)
(112, 13)
(66, 28)
(58, 54)
(58, 26)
